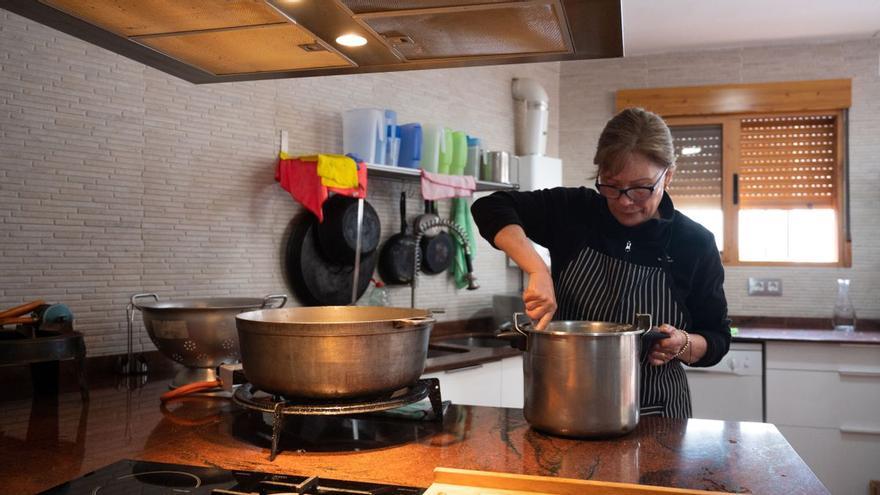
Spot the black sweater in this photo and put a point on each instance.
(566, 220)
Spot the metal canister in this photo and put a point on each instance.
(496, 167)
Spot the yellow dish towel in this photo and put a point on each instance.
(335, 170)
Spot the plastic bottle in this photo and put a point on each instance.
(844, 316)
(379, 294)
(473, 157)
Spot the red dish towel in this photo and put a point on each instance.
(442, 186)
(300, 178)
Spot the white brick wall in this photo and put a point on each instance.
(587, 92)
(116, 178)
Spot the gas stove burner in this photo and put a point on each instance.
(146, 477)
(251, 398)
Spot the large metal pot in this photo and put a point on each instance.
(197, 333)
(333, 352)
(582, 377)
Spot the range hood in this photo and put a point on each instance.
(204, 41)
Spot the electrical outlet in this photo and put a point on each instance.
(765, 286)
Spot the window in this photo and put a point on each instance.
(696, 186)
(766, 175)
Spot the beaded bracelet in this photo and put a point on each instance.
(687, 344)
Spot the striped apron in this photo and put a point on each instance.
(595, 286)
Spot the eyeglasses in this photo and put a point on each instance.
(636, 193)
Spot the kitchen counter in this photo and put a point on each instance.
(47, 441)
(473, 355)
(757, 334)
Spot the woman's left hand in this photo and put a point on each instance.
(664, 350)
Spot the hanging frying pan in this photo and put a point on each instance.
(437, 250)
(337, 234)
(316, 280)
(396, 256)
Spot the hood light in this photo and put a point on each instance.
(691, 150)
(351, 40)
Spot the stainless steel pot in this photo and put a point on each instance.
(198, 333)
(582, 377)
(333, 352)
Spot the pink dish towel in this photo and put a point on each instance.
(442, 186)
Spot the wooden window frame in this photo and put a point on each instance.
(726, 106)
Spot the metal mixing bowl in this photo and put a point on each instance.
(200, 334)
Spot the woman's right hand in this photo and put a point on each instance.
(540, 299)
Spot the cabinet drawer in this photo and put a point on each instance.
(822, 356)
(824, 399)
(844, 462)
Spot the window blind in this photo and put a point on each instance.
(697, 179)
(788, 162)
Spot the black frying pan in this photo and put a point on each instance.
(437, 251)
(337, 234)
(396, 256)
(316, 280)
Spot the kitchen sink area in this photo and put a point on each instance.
(476, 341)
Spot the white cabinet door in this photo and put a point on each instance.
(845, 462)
(824, 399)
(733, 389)
(478, 385)
(512, 391)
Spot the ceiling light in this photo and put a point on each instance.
(691, 150)
(351, 40)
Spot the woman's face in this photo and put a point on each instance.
(638, 170)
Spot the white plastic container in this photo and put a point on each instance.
(364, 134)
(531, 108)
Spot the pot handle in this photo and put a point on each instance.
(138, 296)
(526, 325)
(516, 339)
(416, 321)
(272, 297)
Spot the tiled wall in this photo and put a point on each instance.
(116, 178)
(587, 90)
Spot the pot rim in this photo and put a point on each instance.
(585, 334)
(252, 316)
(212, 303)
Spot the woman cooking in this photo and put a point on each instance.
(620, 251)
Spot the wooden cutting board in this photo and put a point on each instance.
(449, 481)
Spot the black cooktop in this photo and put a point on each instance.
(155, 478)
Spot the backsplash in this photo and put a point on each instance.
(119, 179)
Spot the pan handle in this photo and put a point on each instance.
(138, 296)
(272, 297)
(23, 309)
(416, 321)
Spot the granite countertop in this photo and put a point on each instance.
(49, 440)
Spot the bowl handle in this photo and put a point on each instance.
(138, 296)
(416, 321)
(268, 299)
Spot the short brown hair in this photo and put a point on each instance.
(634, 130)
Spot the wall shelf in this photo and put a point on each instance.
(413, 174)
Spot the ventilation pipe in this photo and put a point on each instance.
(531, 106)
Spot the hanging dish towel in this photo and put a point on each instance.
(299, 176)
(441, 186)
(335, 170)
(461, 214)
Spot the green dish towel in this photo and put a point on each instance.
(461, 214)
